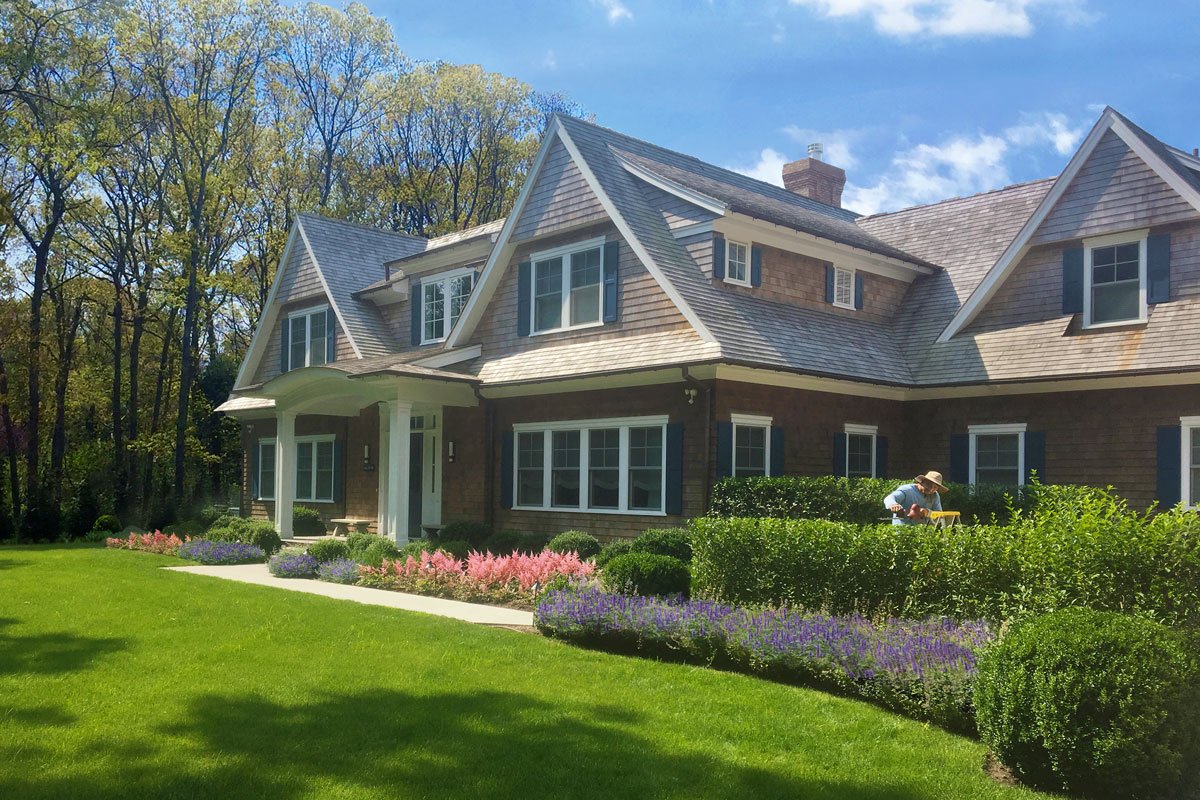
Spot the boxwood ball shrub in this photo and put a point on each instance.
(1099, 704)
(474, 532)
(376, 551)
(646, 574)
(307, 522)
(579, 542)
(187, 527)
(107, 522)
(508, 542)
(258, 532)
(357, 543)
(611, 550)
(415, 548)
(328, 549)
(293, 564)
(674, 542)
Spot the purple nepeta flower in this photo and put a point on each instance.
(209, 552)
(293, 565)
(339, 570)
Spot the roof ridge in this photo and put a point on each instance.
(959, 198)
(362, 225)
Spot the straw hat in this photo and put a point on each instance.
(932, 477)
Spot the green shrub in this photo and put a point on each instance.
(857, 500)
(375, 552)
(457, 548)
(188, 527)
(211, 513)
(584, 544)
(357, 543)
(251, 531)
(508, 542)
(1098, 704)
(307, 522)
(474, 532)
(107, 522)
(97, 535)
(128, 529)
(415, 548)
(611, 550)
(646, 574)
(674, 542)
(328, 550)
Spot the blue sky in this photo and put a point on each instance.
(918, 99)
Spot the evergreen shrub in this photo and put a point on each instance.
(1098, 704)
(328, 550)
(307, 522)
(463, 530)
(674, 542)
(646, 574)
(579, 542)
(611, 550)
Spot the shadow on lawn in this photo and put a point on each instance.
(487, 745)
(50, 653)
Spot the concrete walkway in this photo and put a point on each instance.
(468, 612)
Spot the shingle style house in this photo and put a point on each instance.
(643, 324)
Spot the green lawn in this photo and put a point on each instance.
(118, 679)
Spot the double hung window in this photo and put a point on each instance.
(567, 286)
(266, 469)
(442, 301)
(308, 331)
(1190, 452)
(614, 465)
(860, 451)
(314, 468)
(998, 454)
(751, 445)
(1115, 279)
(843, 287)
(737, 261)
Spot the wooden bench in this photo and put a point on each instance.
(345, 524)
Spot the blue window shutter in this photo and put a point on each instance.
(255, 450)
(1170, 469)
(960, 457)
(339, 469)
(719, 257)
(612, 280)
(1035, 454)
(524, 287)
(330, 336)
(777, 451)
(415, 300)
(284, 344)
(724, 449)
(839, 455)
(1158, 268)
(506, 469)
(673, 503)
(858, 290)
(1072, 300)
(829, 280)
(755, 265)
(881, 456)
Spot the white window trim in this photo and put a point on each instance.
(1186, 426)
(308, 313)
(851, 429)
(269, 441)
(993, 430)
(549, 428)
(1128, 237)
(751, 421)
(565, 287)
(850, 273)
(728, 279)
(443, 278)
(331, 438)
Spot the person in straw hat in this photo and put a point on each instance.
(913, 503)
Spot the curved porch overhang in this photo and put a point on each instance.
(330, 391)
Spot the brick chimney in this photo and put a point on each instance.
(815, 179)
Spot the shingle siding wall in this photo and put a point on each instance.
(268, 367)
(560, 198)
(1115, 190)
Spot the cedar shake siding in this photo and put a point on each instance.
(559, 199)
(1114, 191)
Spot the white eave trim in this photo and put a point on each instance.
(270, 313)
(1016, 251)
(709, 204)
(446, 358)
(337, 312)
(743, 227)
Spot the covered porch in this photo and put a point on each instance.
(364, 445)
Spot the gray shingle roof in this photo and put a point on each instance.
(351, 257)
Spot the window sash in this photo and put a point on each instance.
(736, 261)
(843, 287)
(750, 450)
(1115, 280)
(442, 302)
(306, 338)
(567, 288)
(592, 467)
(266, 469)
(860, 455)
(314, 469)
(997, 458)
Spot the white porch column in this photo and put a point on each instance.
(285, 471)
(381, 468)
(399, 428)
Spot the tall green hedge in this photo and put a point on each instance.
(857, 500)
(1079, 547)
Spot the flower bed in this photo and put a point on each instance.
(339, 570)
(922, 669)
(293, 565)
(209, 552)
(157, 542)
(482, 577)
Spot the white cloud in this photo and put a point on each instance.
(615, 9)
(550, 60)
(962, 164)
(836, 144)
(769, 167)
(909, 18)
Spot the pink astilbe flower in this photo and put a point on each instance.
(157, 542)
(523, 569)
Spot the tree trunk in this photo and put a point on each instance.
(164, 364)
(120, 476)
(10, 444)
(186, 367)
(69, 329)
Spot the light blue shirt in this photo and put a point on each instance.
(906, 495)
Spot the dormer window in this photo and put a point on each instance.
(566, 287)
(1114, 273)
(442, 300)
(843, 287)
(309, 336)
(737, 258)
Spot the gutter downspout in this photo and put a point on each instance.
(691, 381)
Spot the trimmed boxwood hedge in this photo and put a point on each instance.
(579, 542)
(1099, 704)
(674, 542)
(646, 574)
